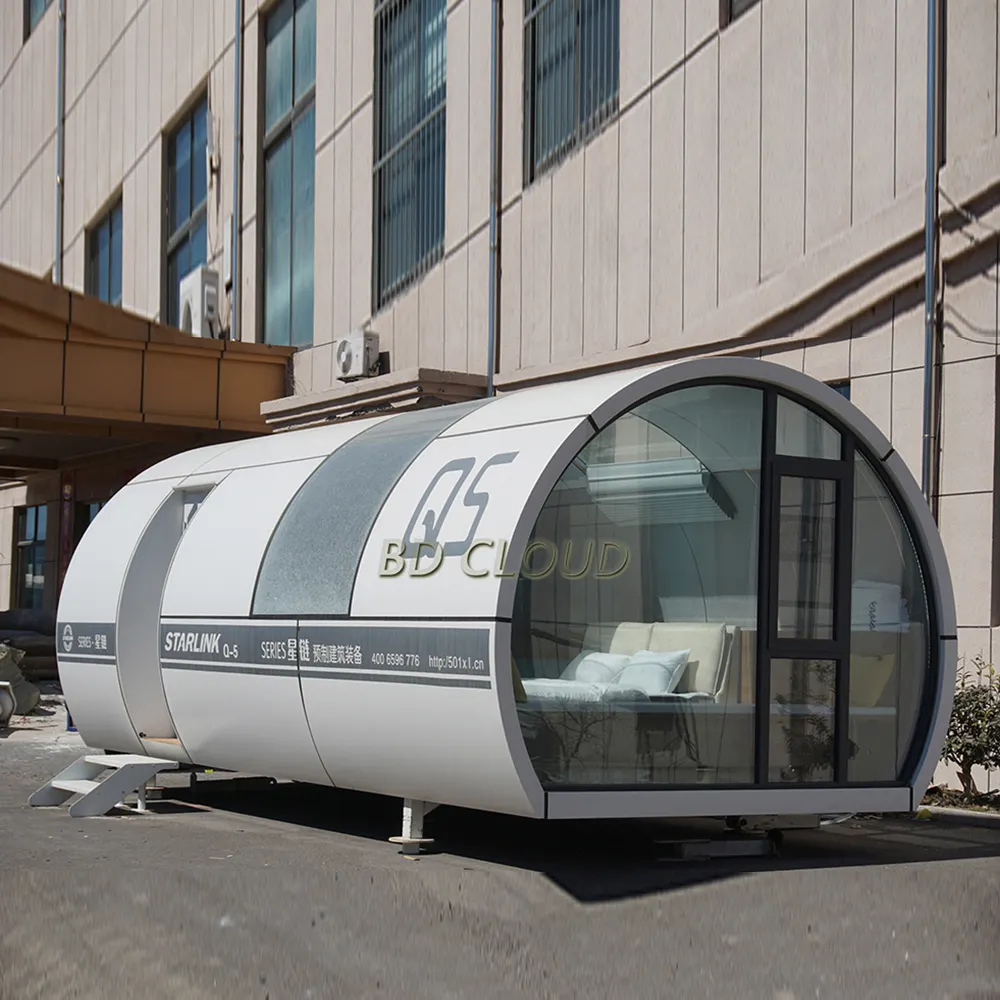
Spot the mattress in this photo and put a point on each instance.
(555, 691)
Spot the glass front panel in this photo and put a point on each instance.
(278, 64)
(305, 46)
(115, 291)
(180, 177)
(806, 543)
(803, 700)
(889, 630)
(303, 198)
(29, 575)
(277, 242)
(805, 434)
(635, 615)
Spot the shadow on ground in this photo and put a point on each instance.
(592, 860)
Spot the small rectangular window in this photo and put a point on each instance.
(844, 388)
(83, 517)
(104, 257)
(729, 10)
(187, 203)
(29, 558)
(289, 156)
(571, 64)
(33, 12)
(409, 173)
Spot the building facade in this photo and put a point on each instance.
(674, 178)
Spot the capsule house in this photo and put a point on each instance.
(707, 588)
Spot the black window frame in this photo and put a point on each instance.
(430, 120)
(583, 129)
(174, 238)
(93, 233)
(27, 550)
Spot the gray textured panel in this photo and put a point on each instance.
(313, 556)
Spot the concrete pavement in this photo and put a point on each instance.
(292, 892)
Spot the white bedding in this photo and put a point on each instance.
(555, 690)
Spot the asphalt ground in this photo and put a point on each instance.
(242, 890)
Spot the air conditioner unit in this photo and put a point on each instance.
(199, 305)
(356, 356)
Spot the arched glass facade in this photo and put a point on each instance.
(720, 590)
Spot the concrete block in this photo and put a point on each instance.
(739, 154)
(701, 192)
(829, 84)
(666, 207)
(511, 330)
(873, 183)
(567, 259)
(871, 341)
(872, 394)
(634, 226)
(536, 273)
(966, 525)
(968, 426)
(456, 207)
(971, 93)
(479, 299)
(907, 417)
(600, 241)
(911, 93)
(636, 49)
(431, 348)
(456, 311)
(970, 306)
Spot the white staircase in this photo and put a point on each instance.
(102, 781)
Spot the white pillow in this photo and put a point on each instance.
(654, 673)
(595, 668)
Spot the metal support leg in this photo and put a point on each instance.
(141, 797)
(414, 813)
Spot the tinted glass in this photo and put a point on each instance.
(803, 702)
(115, 294)
(802, 433)
(278, 64)
(277, 242)
(313, 556)
(305, 46)
(636, 610)
(199, 163)
(303, 199)
(102, 261)
(806, 549)
(889, 634)
(180, 177)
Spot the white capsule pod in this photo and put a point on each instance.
(707, 588)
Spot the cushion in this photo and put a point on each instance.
(869, 676)
(654, 673)
(595, 668)
(706, 642)
(570, 693)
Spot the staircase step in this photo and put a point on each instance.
(76, 786)
(117, 760)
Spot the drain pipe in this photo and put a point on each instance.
(495, 119)
(234, 323)
(929, 463)
(57, 265)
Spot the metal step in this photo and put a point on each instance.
(77, 787)
(117, 760)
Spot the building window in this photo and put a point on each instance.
(844, 388)
(104, 257)
(187, 202)
(33, 12)
(729, 10)
(410, 72)
(571, 51)
(29, 565)
(289, 154)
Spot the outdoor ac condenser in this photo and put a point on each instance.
(199, 302)
(356, 356)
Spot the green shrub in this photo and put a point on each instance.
(974, 730)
